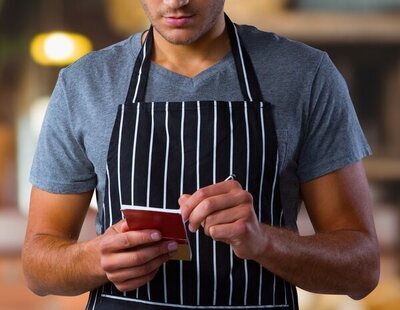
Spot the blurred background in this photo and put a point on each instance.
(37, 38)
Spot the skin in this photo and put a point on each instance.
(127, 258)
(341, 258)
(186, 49)
(206, 19)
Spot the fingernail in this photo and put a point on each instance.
(172, 246)
(191, 228)
(155, 236)
(183, 216)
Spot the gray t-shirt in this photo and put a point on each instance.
(318, 131)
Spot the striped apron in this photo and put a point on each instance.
(160, 150)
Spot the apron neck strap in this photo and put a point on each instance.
(244, 67)
(140, 74)
(248, 81)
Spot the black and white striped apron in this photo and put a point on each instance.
(160, 150)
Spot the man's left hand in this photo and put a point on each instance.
(226, 212)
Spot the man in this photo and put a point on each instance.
(197, 110)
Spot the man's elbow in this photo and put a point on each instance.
(367, 287)
(369, 274)
(32, 283)
(31, 280)
(35, 288)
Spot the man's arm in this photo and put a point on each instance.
(55, 263)
(52, 259)
(341, 258)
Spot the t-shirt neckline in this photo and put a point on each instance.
(206, 73)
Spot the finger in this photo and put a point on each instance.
(135, 283)
(136, 257)
(129, 239)
(225, 217)
(183, 199)
(123, 275)
(216, 203)
(212, 190)
(117, 228)
(124, 226)
(231, 233)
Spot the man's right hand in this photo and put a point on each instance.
(131, 259)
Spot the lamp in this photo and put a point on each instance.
(59, 48)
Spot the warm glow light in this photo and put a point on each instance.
(59, 48)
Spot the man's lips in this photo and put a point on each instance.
(178, 21)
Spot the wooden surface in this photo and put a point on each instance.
(383, 169)
(330, 27)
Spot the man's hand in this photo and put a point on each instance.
(129, 259)
(132, 258)
(341, 258)
(226, 213)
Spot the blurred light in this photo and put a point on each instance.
(59, 48)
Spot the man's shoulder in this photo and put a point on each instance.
(105, 62)
(269, 47)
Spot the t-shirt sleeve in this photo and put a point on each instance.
(333, 137)
(60, 164)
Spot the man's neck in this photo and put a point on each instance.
(191, 59)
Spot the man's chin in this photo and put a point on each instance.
(181, 41)
(179, 37)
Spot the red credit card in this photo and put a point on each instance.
(170, 224)
(167, 221)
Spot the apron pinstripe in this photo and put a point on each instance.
(160, 150)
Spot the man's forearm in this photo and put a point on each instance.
(62, 267)
(340, 262)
